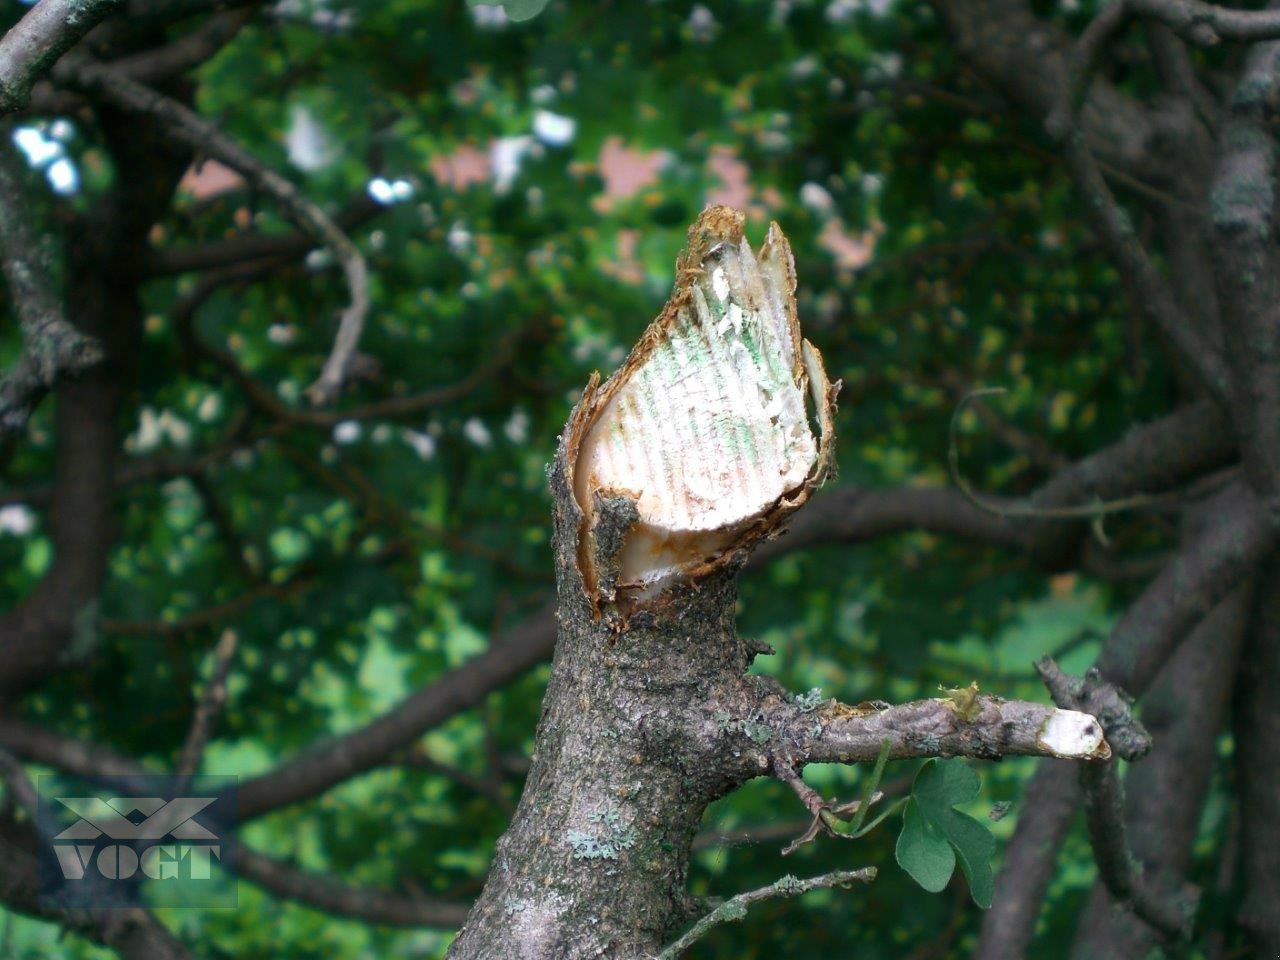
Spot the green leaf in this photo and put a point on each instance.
(974, 845)
(922, 851)
(930, 824)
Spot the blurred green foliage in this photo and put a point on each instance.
(937, 243)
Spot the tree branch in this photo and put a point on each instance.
(207, 709)
(253, 246)
(1154, 298)
(1256, 725)
(47, 31)
(134, 932)
(52, 347)
(1165, 793)
(1243, 197)
(735, 908)
(1204, 570)
(187, 51)
(327, 763)
(204, 137)
(1207, 23)
(994, 728)
(336, 898)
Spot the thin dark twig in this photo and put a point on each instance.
(208, 707)
(1083, 512)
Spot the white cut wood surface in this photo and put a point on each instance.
(713, 428)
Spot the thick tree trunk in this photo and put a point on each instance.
(594, 863)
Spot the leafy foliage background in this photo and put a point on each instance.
(936, 244)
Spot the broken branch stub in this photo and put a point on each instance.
(702, 442)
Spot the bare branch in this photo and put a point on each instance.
(1207, 23)
(187, 51)
(1110, 20)
(205, 137)
(47, 31)
(133, 932)
(207, 709)
(1155, 299)
(1049, 804)
(1200, 575)
(322, 893)
(931, 728)
(1248, 263)
(1038, 451)
(254, 246)
(1165, 793)
(339, 899)
(1091, 511)
(735, 908)
(327, 763)
(1256, 725)
(1103, 803)
(1092, 694)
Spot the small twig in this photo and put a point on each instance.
(1095, 695)
(735, 908)
(1082, 512)
(207, 139)
(1148, 289)
(1206, 23)
(1040, 453)
(208, 707)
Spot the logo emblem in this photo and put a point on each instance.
(101, 849)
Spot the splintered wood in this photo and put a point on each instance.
(706, 427)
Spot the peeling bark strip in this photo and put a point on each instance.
(650, 714)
